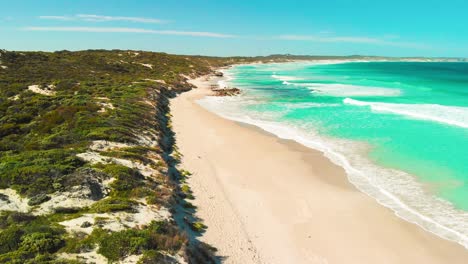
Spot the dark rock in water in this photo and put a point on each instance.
(38, 199)
(227, 92)
(219, 74)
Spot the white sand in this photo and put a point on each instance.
(158, 81)
(47, 91)
(86, 257)
(267, 200)
(150, 66)
(13, 201)
(117, 221)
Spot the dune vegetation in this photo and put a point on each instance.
(88, 162)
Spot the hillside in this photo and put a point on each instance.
(88, 164)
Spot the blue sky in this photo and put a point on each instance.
(255, 27)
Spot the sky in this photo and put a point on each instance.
(245, 28)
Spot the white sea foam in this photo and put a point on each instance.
(344, 90)
(392, 188)
(306, 85)
(223, 82)
(285, 78)
(281, 66)
(451, 115)
(338, 90)
(306, 105)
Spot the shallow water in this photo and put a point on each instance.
(400, 129)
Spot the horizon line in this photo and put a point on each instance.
(244, 56)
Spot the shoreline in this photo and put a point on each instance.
(416, 213)
(298, 206)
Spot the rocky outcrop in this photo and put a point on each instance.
(227, 92)
(78, 190)
(87, 183)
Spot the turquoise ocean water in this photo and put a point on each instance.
(400, 129)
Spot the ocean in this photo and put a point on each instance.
(399, 129)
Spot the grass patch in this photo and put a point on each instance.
(157, 236)
(113, 204)
(126, 179)
(24, 237)
(198, 227)
(187, 192)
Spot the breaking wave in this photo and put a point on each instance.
(345, 90)
(451, 115)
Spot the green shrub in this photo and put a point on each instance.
(153, 257)
(40, 243)
(198, 226)
(117, 245)
(33, 172)
(157, 236)
(136, 153)
(113, 204)
(126, 179)
(187, 192)
(152, 199)
(10, 239)
(14, 218)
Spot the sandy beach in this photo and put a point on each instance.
(267, 200)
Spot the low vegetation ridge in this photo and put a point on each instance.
(88, 164)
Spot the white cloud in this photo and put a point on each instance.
(56, 17)
(131, 30)
(353, 39)
(99, 18)
(329, 38)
